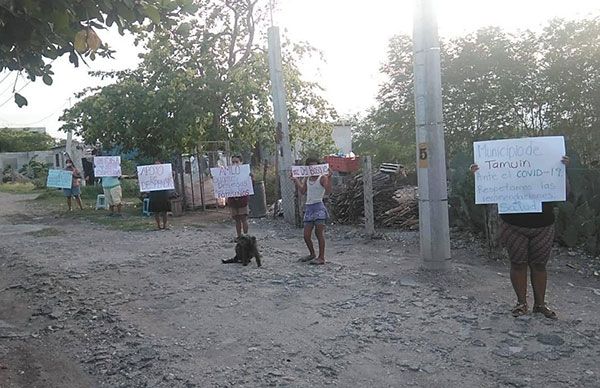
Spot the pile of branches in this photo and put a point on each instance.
(12, 176)
(394, 202)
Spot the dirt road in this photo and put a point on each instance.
(86, 306)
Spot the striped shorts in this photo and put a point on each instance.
(527, 245)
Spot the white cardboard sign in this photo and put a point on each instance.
(107, 166)
(520, 174)
(314, 170)
(232, 181)
(155, 177)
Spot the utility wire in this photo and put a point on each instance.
(11, 97)
(42, 119)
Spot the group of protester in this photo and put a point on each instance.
(315, 213)
(110, 185)
(113, 195)
(528, 237)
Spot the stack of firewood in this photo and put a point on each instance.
(394, 204)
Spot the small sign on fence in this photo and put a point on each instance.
(107, 166)
(232, 181)
(60, 179)
(155, 177)
(520, 174)
(314, 170)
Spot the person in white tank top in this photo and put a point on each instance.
(315, 214)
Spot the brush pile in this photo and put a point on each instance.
(394, 204)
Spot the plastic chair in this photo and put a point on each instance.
(146, 207)
(101, 202)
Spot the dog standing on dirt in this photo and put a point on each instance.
(245, 249)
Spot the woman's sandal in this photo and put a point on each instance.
(306, 259)
(543, 309)
(519, 310)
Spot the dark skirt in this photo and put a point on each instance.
(159, 201)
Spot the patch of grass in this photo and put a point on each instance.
(54, 202)
(131, 220)
(18, 188)
(128, 223)
(46, 232)
(49, 193)
(91, 192)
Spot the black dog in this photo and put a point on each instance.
(245, 249)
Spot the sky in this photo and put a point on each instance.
(352, 34)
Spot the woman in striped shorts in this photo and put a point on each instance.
(528, 237)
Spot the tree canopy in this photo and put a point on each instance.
(22, 141)
(33, 33)
(496, 85)
(208, 79)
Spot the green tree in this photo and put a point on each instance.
(35, 32)
(209, 80)
(570, 72)
(496, 85)
(23, 141)
(387, 131)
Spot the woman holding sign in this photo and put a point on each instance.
(315, 214)
(75, 190)
(528, 237)
(239, 205)
(159, 205)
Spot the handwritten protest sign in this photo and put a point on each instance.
(316, 169)
(520, 174)
(61, 179)
(155, 177)
(232, 181)
(107, 166)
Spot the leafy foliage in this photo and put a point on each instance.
(22, 141)
(209, 80)
(499, 85)
(496, 85)
(36, 171)
(387, 132)
(34, 32)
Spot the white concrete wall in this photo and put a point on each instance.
(17, 159)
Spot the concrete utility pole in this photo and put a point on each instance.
(431, 153)
(284, 150)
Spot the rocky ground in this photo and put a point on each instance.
(84, 305)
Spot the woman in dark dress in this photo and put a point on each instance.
(528, 238)
(159, 205)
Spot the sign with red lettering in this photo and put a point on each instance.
(313, 170)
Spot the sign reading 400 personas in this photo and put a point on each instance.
(232, 181)
(520, 174)
(155, 177)
(107, 166)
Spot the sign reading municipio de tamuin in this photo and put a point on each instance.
(520, 174)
